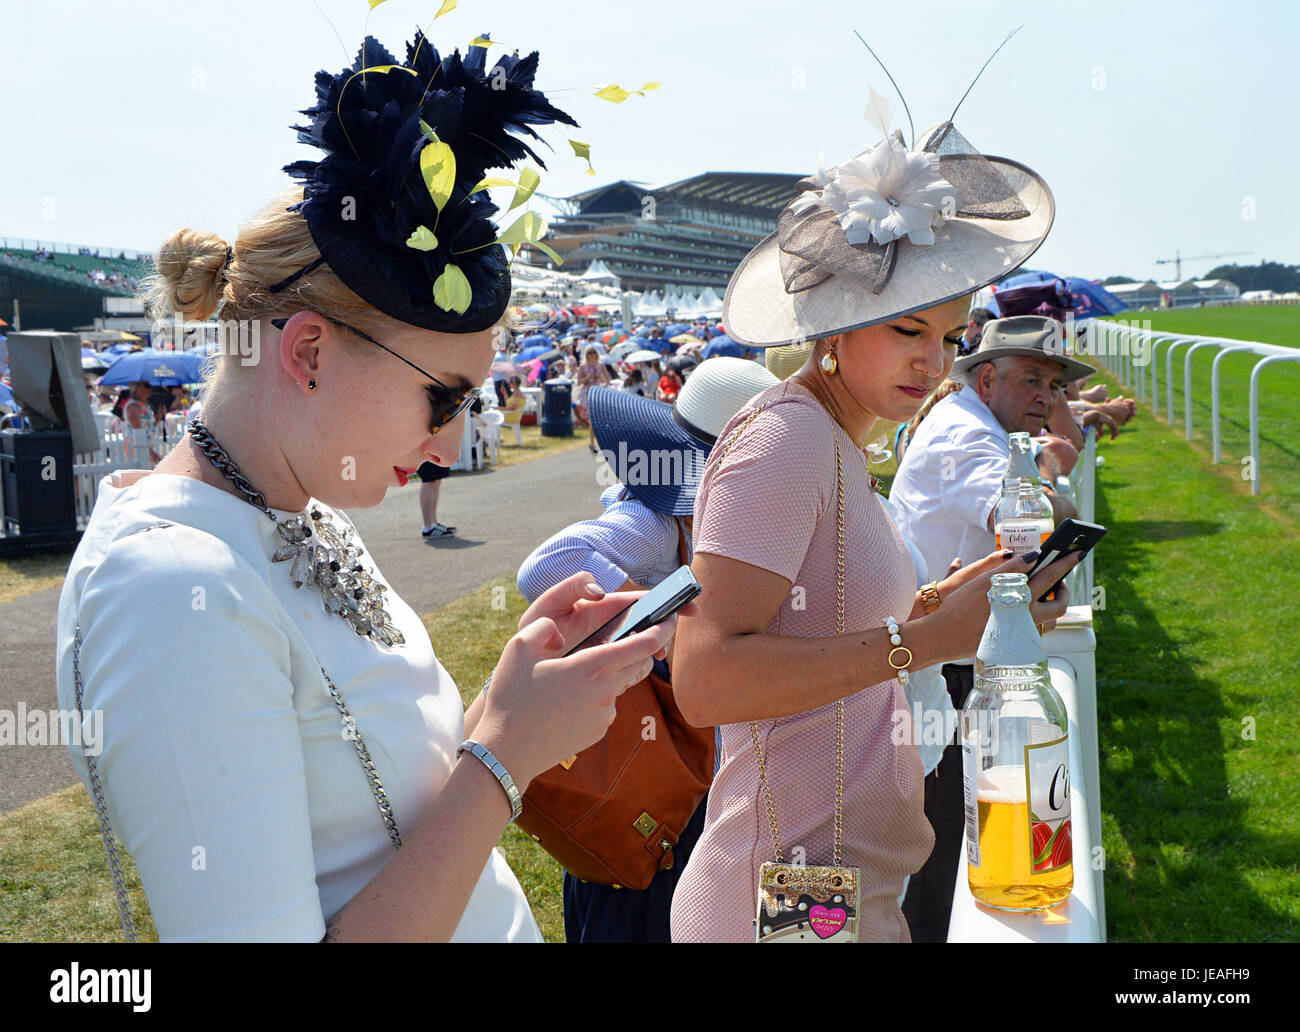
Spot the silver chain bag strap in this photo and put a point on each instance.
(355, 596)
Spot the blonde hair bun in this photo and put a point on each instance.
(189, 278)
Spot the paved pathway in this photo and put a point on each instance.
(500, 516)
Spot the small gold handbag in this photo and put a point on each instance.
(798, 902)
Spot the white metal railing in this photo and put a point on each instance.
(1113, 344)
(117, 451)
(1252, 302)
(1071, 649)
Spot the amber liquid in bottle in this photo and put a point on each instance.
(1005, 878)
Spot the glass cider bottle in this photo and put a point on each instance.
(1024, 517)
(1015, 763)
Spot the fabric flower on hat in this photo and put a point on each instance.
(888, 193)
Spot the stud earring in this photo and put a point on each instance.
(829, 365)
(311, 385)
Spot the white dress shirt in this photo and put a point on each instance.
(925, 686)
(950, 482)
(228, 774)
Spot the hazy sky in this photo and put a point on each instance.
(1158, 125)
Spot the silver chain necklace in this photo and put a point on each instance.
(320, 554)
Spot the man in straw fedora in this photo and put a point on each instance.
(946, 495)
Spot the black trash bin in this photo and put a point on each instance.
(557, 409)
(38, 481)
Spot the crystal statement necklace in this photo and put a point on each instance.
(319, 553)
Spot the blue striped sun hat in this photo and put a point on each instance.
(658, 451)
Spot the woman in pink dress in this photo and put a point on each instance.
(801, 564)
(590, 374)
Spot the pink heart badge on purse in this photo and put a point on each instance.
(826, 922)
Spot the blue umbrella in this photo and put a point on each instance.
(676, 328)
(532, 352)
(118, 349)
(722, 345)
(165, 368)
(1090, 299)
(536, 338)
(92, 359)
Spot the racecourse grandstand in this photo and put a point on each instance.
(692, 233)
(62, 286)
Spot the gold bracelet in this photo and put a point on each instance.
(896, 640)
(930, 597)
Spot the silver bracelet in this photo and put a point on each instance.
(499, 772)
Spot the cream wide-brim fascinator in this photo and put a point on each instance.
(888, 233)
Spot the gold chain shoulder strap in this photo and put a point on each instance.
(839, 703)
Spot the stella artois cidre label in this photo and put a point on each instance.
(1047, 785)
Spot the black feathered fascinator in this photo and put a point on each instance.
(398, 206)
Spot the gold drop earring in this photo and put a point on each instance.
(828, 363)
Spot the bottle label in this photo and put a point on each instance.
(1047, 784)
(1023, 537)
(970, 776)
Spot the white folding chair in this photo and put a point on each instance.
(492, 422)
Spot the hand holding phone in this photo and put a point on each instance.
(655, 606)
(1070, 537)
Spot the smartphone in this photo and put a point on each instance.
(655, 606)
(1071, 536)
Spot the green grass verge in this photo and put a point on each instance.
(534, 446)
(27, 575)
(54, 880)
(1198, 706)
(1279, 392)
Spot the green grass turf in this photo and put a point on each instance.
(1279, 392)
(1200, 824)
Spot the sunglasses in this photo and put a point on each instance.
(448, 402)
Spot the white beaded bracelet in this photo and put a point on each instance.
(896, 640)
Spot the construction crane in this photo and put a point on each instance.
(1177, 260)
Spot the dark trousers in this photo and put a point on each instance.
(500, 386)
(602, 913)
(928, 903)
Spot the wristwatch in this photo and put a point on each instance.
(930, 597)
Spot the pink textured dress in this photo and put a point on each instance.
(772, 503)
